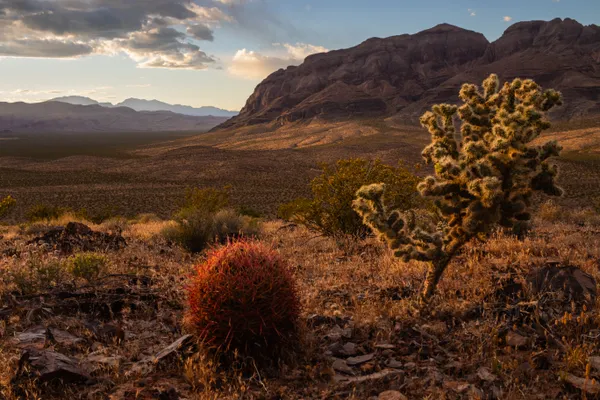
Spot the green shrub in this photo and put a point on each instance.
(484, 177)
(98, 216)
(330, 210)
(88, 266)
(44, 212)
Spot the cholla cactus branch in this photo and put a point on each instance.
(485, 175)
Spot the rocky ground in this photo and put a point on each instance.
(513, 319)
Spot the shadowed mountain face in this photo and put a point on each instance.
(62, 117)
(404, 75)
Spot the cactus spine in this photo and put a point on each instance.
(484, 176)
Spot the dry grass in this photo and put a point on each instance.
(358, 285)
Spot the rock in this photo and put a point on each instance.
(567, 284)
(170, 394)
(385, 346)
(77, 236)
(335, 334)
(391, 395)
(64, 338)
(179, 346)
(367, 378)
(514, 339)
(485, 375)
(457, 386)
(95, 362)
(587, 386)
(341, 366)
(393, 363)
(595, 362)
(350, 349)
(50, 366)
(410, 365)
(107, 333)
(360, 359)
(406, 74)
(32, 338)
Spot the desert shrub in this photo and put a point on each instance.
(88, 266)
(205, 220)
(197, 229)
(249, 212)
(37, 275)
(209, 200)
(330, 210)
(97, 216)
(6, 204)
(550, 211)
(484, 177)
(243, 297)
(44, 212)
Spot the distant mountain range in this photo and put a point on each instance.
(150, 105)
(402, 76)
(55, 116)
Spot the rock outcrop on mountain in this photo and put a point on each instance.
(403, 75)
(62, 117)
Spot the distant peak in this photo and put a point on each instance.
(444, 28)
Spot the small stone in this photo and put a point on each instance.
(350, 349)
(341, 366)
(595, 362)
(393, 363)
(360, 359)
(392, 395)
(485, 375)
(385, 346)
(335, 334)
(514, 339)
(457, 386)
(589, 386)
(347, 333)
(410, 365)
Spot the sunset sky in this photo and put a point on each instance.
(214, 52)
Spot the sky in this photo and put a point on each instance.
(215, 52)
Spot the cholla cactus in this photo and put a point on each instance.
(6, 204)
(484, 177)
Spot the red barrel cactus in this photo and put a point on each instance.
(243, 297)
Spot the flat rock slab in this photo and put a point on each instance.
(50, 365)
(345, 380)
(360, 359)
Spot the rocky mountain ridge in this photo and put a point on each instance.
(403, 75)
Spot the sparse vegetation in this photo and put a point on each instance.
(6, 204)
(45, 212)
(484, 179)
(244, 298)
(88, 266)
(206, 219)
(330, 210)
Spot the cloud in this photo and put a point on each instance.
(472, 12)
(201, 32)
(154, 33)
(507, 18)
(253, 65)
